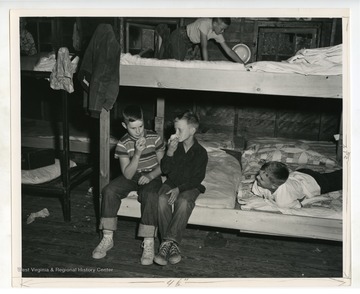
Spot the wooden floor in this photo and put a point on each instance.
(53, 248)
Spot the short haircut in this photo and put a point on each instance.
(132, 113)
(277, 171)
(225, 20)
(190, 117)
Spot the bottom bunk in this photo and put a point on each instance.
(228, 182)
(46, 134)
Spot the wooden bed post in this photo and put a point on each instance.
(104, 175)
(160, 115)
(339, 150)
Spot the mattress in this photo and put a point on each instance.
(40, 134)
(318, 61)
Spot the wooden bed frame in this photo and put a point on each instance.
(239, 82)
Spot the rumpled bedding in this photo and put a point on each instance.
(33, 128)
(43, 174)
(223, 174)
(318, 61)
(325, 206)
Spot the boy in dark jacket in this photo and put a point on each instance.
(184, 164)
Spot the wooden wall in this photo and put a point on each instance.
(241, 115)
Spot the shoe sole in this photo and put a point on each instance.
(175, 261)
(160, 262)
(101, 256)
(147, 263)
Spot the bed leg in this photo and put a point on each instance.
(66, 206)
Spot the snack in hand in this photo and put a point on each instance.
(142, 140)
(173, 137)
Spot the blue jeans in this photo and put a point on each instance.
(148, 196)
(180, 43)
(172, 224)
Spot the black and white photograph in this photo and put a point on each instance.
(180, 149)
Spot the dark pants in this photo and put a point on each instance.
(118, 189)
(172, 224)
(180, 43)
(328, 182)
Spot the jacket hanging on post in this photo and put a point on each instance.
(99, 70)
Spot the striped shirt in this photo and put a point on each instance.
(125, 148)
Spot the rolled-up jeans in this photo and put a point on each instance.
(172, 224)
(118, 189)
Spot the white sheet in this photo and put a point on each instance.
(223, 175)
(318, 61)
(128, 59)
(43, 174)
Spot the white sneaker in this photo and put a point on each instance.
(148, 254)
(105, 245)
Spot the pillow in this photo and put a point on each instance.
(43, 174)
(291, 153)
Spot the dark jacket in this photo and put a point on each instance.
(186, 170)
(99, 72)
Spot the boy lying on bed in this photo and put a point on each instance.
(293, 189)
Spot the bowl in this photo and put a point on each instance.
(243, 51)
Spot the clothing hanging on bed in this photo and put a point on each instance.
(99, 70)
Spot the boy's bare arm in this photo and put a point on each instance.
(129, 167)
(157, 171)
(231, 53)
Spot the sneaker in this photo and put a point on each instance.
(162, 257)
(174, 254)
(105, 245)
(147, 257)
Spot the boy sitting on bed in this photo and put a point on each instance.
(139, 152)
(199, 32)
(184, 164)
(292, 189)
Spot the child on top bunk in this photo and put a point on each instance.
(184, 164)
(139, 152)
(199, 32)
(290, 189)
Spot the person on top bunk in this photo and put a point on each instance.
(184, 164)
(293, 189)
(139, 152)
(200, 32)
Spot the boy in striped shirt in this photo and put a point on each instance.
(139, 152)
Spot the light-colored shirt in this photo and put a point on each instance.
(287, 195)
(203, 25)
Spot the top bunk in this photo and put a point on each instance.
(310, 73)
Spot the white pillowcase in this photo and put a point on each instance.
(43, 174)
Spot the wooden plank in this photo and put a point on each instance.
(104, 176)
(254, 221)
(160, 115)
(240, 82)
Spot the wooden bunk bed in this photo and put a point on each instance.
(227, 80)
(38, 134)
